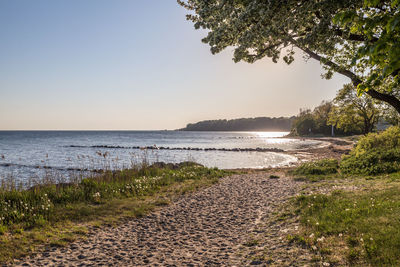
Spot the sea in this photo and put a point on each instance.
(32, 154)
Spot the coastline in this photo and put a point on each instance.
(231, 220)
(335, 147)
(57, 242)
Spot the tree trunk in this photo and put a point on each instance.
(366, 126)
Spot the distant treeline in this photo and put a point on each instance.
(244, 124)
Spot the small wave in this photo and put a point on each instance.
(258, 149)
(49, 167)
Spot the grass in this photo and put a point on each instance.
(358, 225)
(351, 212)
(59, 214)
(320, 167)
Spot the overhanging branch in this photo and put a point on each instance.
(390, 99)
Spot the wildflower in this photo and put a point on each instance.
(314, 248)
(317, 223)
(361, 239)
(371, 239)
(320, 239)
(347, 209)
(326, 264)
(340, 235)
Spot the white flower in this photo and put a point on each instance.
(326, 264)
(311, 236)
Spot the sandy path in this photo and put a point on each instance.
(204, 228)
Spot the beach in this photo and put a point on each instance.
(231, 223)
(212, 227)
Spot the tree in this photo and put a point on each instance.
(352, 112)
(321, 118)
(304, 123)
(314, 122)
(356, 38)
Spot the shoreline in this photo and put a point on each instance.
(231, 220)
(335, 148)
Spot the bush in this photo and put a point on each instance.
(374, 154)
(324, 166)
(388, 139)
(374, 162)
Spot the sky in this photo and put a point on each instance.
(134, 65)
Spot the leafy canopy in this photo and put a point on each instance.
(356, 38)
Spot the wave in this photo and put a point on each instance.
(258, 149)
(49, 167)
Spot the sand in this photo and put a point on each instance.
(227, 224)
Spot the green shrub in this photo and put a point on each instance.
(321, 167)
(388, 139)
(374, 154)
(374, 162)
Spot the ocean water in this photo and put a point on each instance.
(27, 154)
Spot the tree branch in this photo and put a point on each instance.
(390, 99)
(352, 36)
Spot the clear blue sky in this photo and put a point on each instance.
(131, 64)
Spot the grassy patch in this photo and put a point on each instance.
(321, 167)
(56, 215)
(363, 225)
